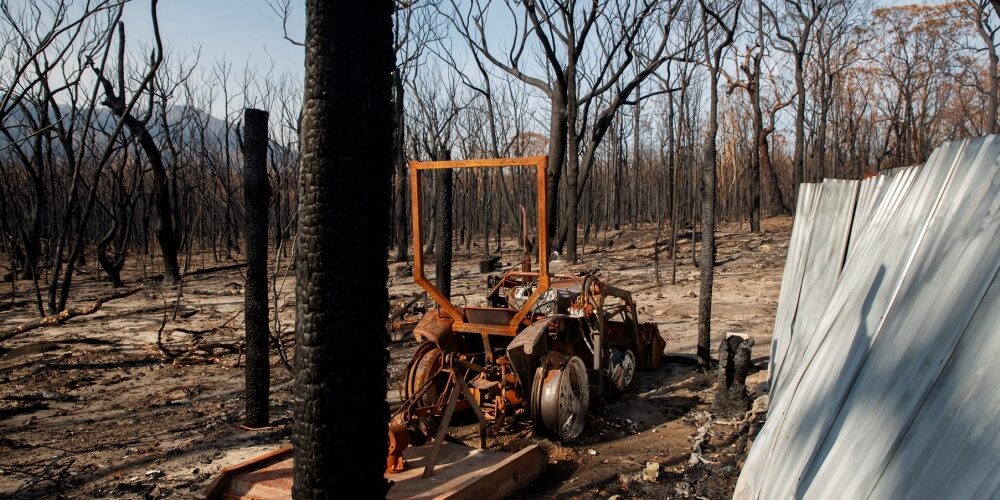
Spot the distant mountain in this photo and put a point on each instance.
(185, 125)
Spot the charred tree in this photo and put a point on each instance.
(636, 120)
(751, 68)
(674, 177)
(758, 135)
(445, 200)
(400, 186)
(113, 246)
(800, 16)
(731, 397)
(256, 196)
(165, 234)
(30, 232)
(340, 412)
(713, 20)
(768, 169)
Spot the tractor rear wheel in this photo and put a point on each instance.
(560, 398)
(423, 366)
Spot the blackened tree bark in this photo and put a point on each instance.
(112, 265)
(635, 157)
(557, 158)
(112, 248)
(165, 234)
(675, 165)
(445, 200)
(714, 20)
(340, 412)
(753, 75)
(32, 246)
(779, 203)
(731, 396)
(800, 120)
(400, 186)
(34, 167)
(256, 194)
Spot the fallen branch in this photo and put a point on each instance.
(64, 316)
(729, 259)
(207, 349)
(209, 329)
(206, 270)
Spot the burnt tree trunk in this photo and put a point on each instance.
(674, 192)
(161, 196)
(709, 190)
(707, 263)
(32, 247)
(798, 169)
(635, 158)
(111, 266)
(753, 72)
(340, 413)
(445, 199)
(558, 136)
(400, 186)
(572, 169)
(773, 185)
(112, 248)
(731, 397)
(165, 234)
(256, 192)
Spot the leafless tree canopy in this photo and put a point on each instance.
(117, 149)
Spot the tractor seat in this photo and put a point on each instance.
(489, 315)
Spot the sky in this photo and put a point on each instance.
(249, 33)
(240, 31)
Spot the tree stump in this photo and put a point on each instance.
(731, 397)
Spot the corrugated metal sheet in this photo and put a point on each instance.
(821, 260)
(889, 393)
(791, 279)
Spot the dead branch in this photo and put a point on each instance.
(207, 350)
(177, 301)
(159, 333)
(197, 345)
(209, 329)
(206, 270)
(65, 315)
(159, 338)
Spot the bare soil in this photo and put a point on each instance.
(94, 408)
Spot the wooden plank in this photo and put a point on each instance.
(462, 473)
(466, 473)
(273, 482)
(504, 478)
(219, 486)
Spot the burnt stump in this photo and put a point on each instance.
(731, 396)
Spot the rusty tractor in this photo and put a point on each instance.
(542, 348)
